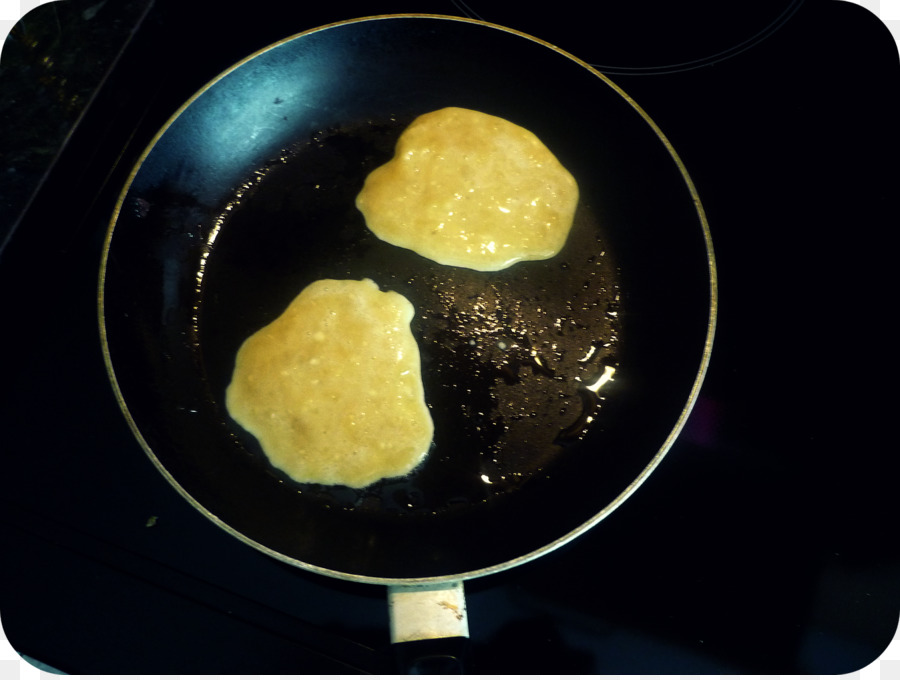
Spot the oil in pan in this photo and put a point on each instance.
(516, 363)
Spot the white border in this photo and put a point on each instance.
(886, 667)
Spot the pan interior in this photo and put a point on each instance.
(506, 355)
(213, 240)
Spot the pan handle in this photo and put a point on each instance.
(429, 627)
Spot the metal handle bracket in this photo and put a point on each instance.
(427, 612)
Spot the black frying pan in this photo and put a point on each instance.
(247, 195)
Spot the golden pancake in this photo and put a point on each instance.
(472, 190)
(332, 388)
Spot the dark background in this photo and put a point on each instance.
(764, 543)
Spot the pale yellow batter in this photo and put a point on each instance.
(332, 389)
(468, 189)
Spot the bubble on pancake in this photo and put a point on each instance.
(469, 189)
(332, 389)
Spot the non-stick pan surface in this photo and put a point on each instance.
(247, 195)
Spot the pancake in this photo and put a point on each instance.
(332, 389)
(468, 189)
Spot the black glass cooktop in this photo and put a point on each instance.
(761, 545)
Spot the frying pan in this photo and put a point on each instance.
(556, 386)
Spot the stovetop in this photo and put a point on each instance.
(761, 545)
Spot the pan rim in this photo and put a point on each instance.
(476, 573)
